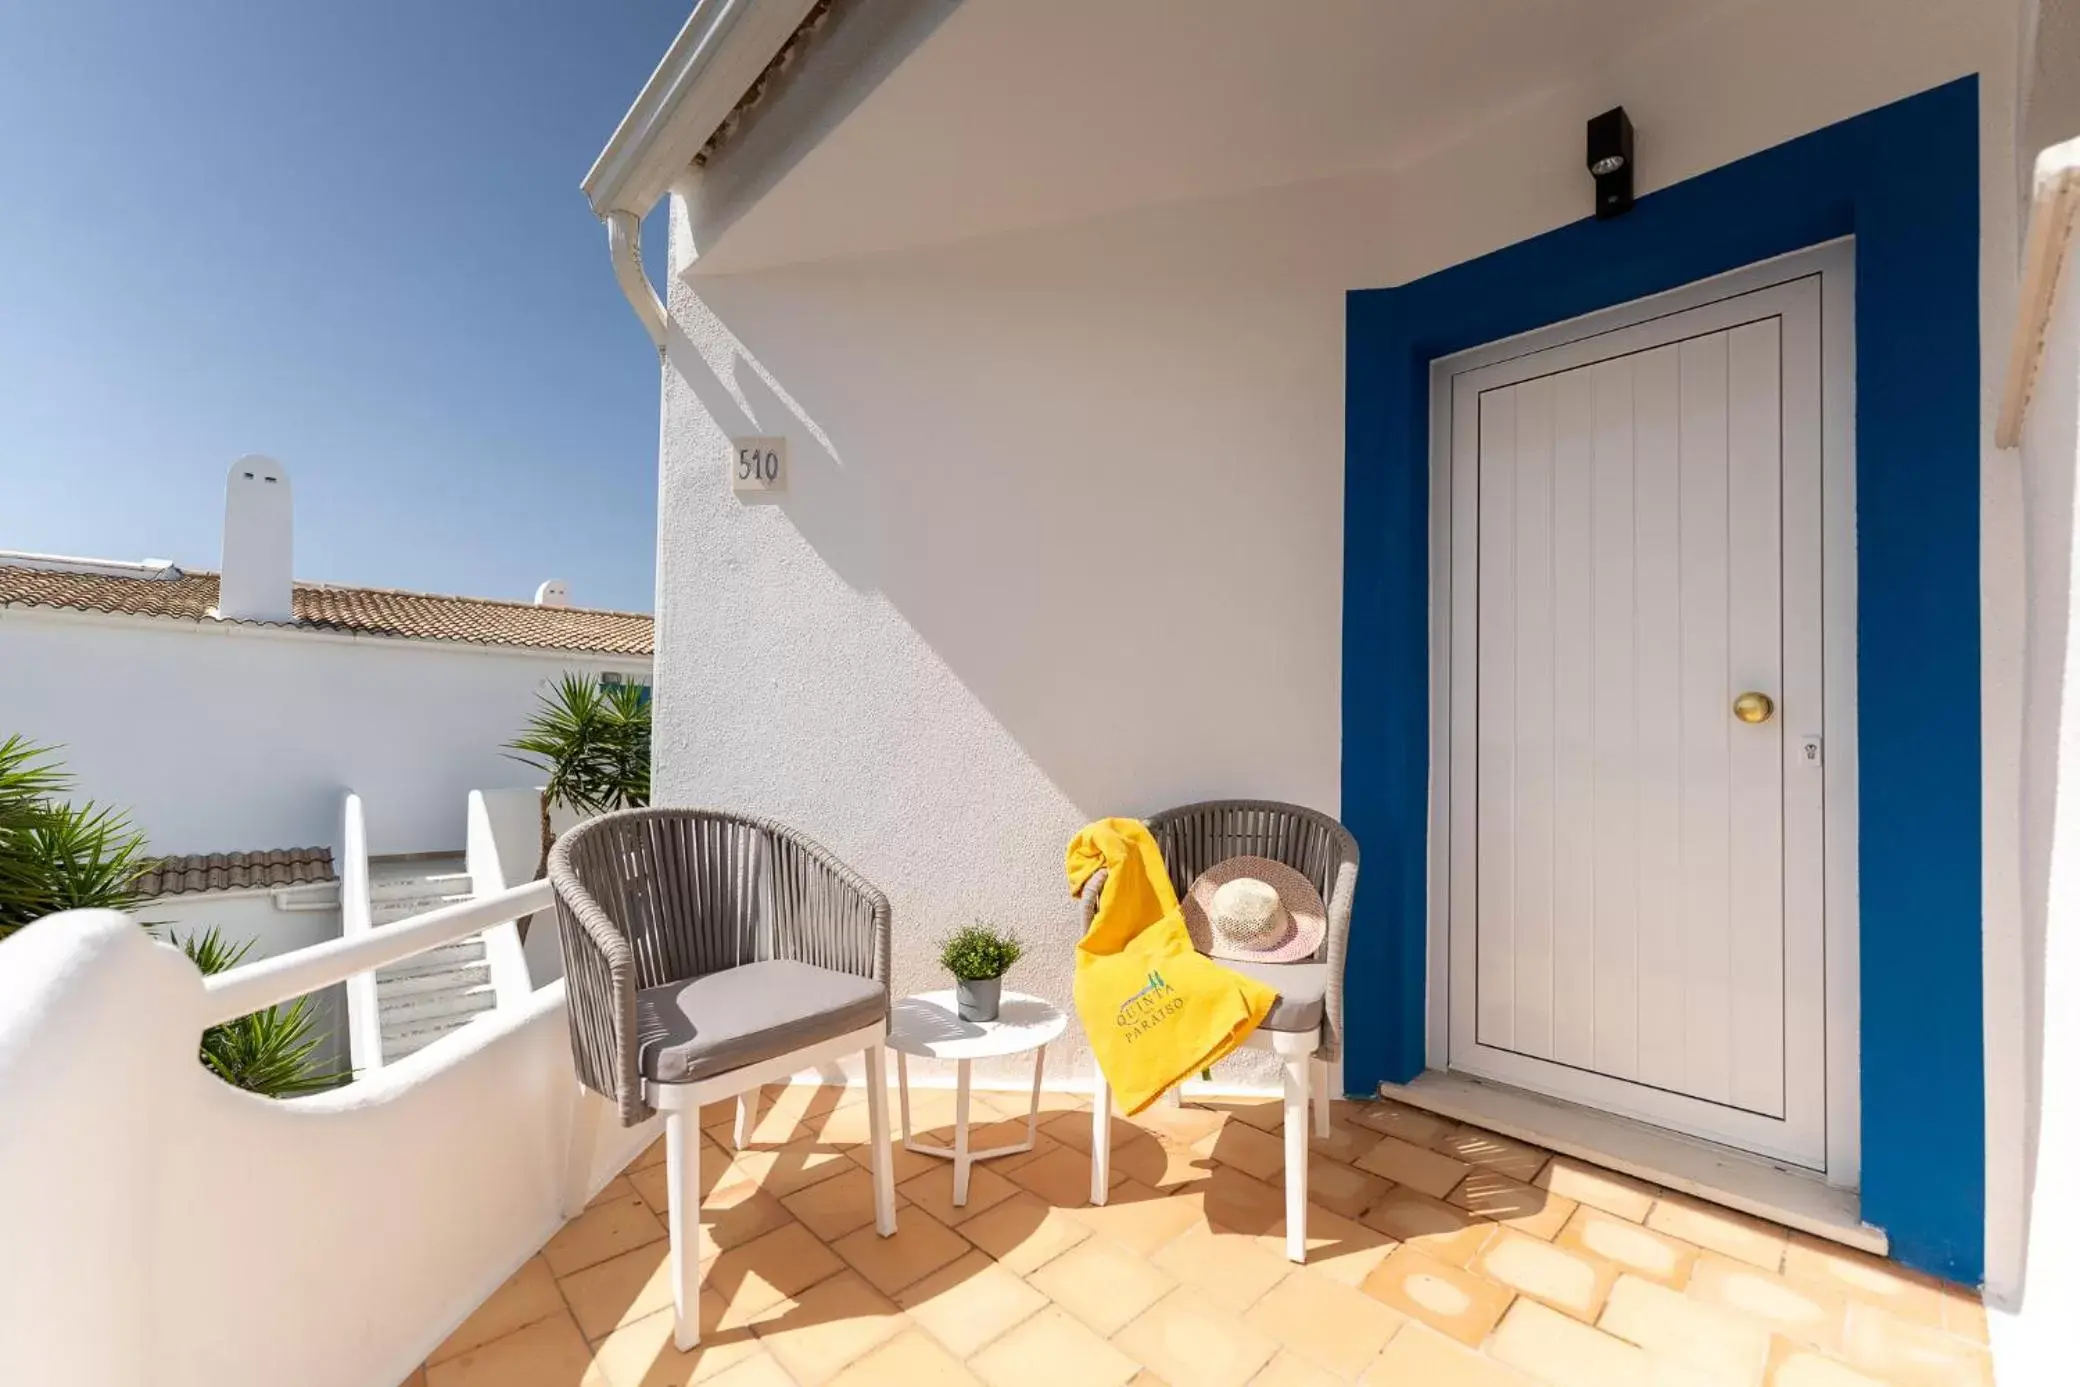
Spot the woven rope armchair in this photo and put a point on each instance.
(1305, 1029)
(704, 955)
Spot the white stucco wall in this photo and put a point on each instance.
(1064, 530)
(222, 738)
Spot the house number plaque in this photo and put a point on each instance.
(758, 464)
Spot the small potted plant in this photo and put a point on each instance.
(978, 957)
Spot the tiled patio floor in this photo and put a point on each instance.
(1442, 1256)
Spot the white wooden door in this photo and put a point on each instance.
(1638, 892)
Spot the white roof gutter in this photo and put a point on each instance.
(717, 56)
(2054, 205)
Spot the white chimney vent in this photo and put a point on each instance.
(554, 593)
(256, 584)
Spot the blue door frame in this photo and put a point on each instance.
(1904, 180)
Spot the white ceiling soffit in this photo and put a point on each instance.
(1017, 113)
(720, 52)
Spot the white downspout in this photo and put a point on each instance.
(625, 245)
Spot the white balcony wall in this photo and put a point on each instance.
(1063, 534)
(163, 1227)
(224, 737)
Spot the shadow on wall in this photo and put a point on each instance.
(1102, 483)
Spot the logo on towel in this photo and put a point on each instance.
(1148, 1008)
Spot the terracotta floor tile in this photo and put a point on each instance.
(417, 1379)
(933, 1192)
(1185, 1126)
(616, 1188)
(1564, 1352)
(1264, 1113)
(1346, 1142)
(919, 1247)
(1444, 1231)
(1490, 1151)
(1872, 1280)
(749, 1214)
(1138, 1218)
(547, 1353)
(791, 1112)
(603, 1231)
(1062, 1177)
(1421, 1357)
(642, 1354)
(968, 1303)
(834, 1207)
(1600, 1189)
(828, 1327)
(528, 1295)
(1737, 1236)
(1337, 1248)
(1911, 1354)
(781, 1170)
(1964, 1315)
(911, 1359)
(1186, 1338)
(1024, 1232)
(770, 1268)
(1102, 1284)
(620, 1290)
(1227, 1268)
(1419, 1168)
(1236, 1203)
(1794, 1365)
(760, 1370)
(1439, 1294)
(653, 1154)
(1332, 1326)
(1140, 1154)
(1631, 1247)
(1568, 1280)
(905, 1164)
(1253, 1152)
(1526, 1208)
(1340, 1188)
(1053, 1349)
(1719, 1348)
(1802, 1311)
(1399, 1120)
(1289, 1369)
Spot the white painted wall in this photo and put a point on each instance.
(163, 1227)
(221, 738)
(273, 929)
(1063, 533)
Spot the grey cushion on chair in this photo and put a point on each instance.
(722, 1021)
(1301, 987)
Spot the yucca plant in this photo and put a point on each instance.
(272, 1053)
(591, 741)
(55, 855)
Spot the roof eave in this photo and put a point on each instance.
(718, 55)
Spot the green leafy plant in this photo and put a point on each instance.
(592, 743)
(978, 952)
(272, 1053)
(56, 855)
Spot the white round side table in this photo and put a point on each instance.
(929, 1026)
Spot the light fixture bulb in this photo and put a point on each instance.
(1609, 164)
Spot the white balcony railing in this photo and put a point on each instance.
(347, 1233)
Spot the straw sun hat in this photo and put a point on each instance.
(1254, 908)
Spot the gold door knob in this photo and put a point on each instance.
(1752, 707)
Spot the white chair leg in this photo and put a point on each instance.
(587, 1111)
(1101, 1140)
(682, 1146)
(747, 1112)
(1321, 1099)
(963, 1163)
(877, 1132)
(1296, 1087)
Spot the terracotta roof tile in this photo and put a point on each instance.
(236, 871)
(190, 596)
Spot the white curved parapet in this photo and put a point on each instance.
(359, 1226)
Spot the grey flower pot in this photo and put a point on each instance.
(977, 1000)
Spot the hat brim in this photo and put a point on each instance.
(1296, 893)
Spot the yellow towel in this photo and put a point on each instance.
(1156, 1010)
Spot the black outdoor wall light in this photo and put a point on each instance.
(1610, 162)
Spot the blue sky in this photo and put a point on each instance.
(346, 235)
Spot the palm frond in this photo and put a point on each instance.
(272, 1053)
